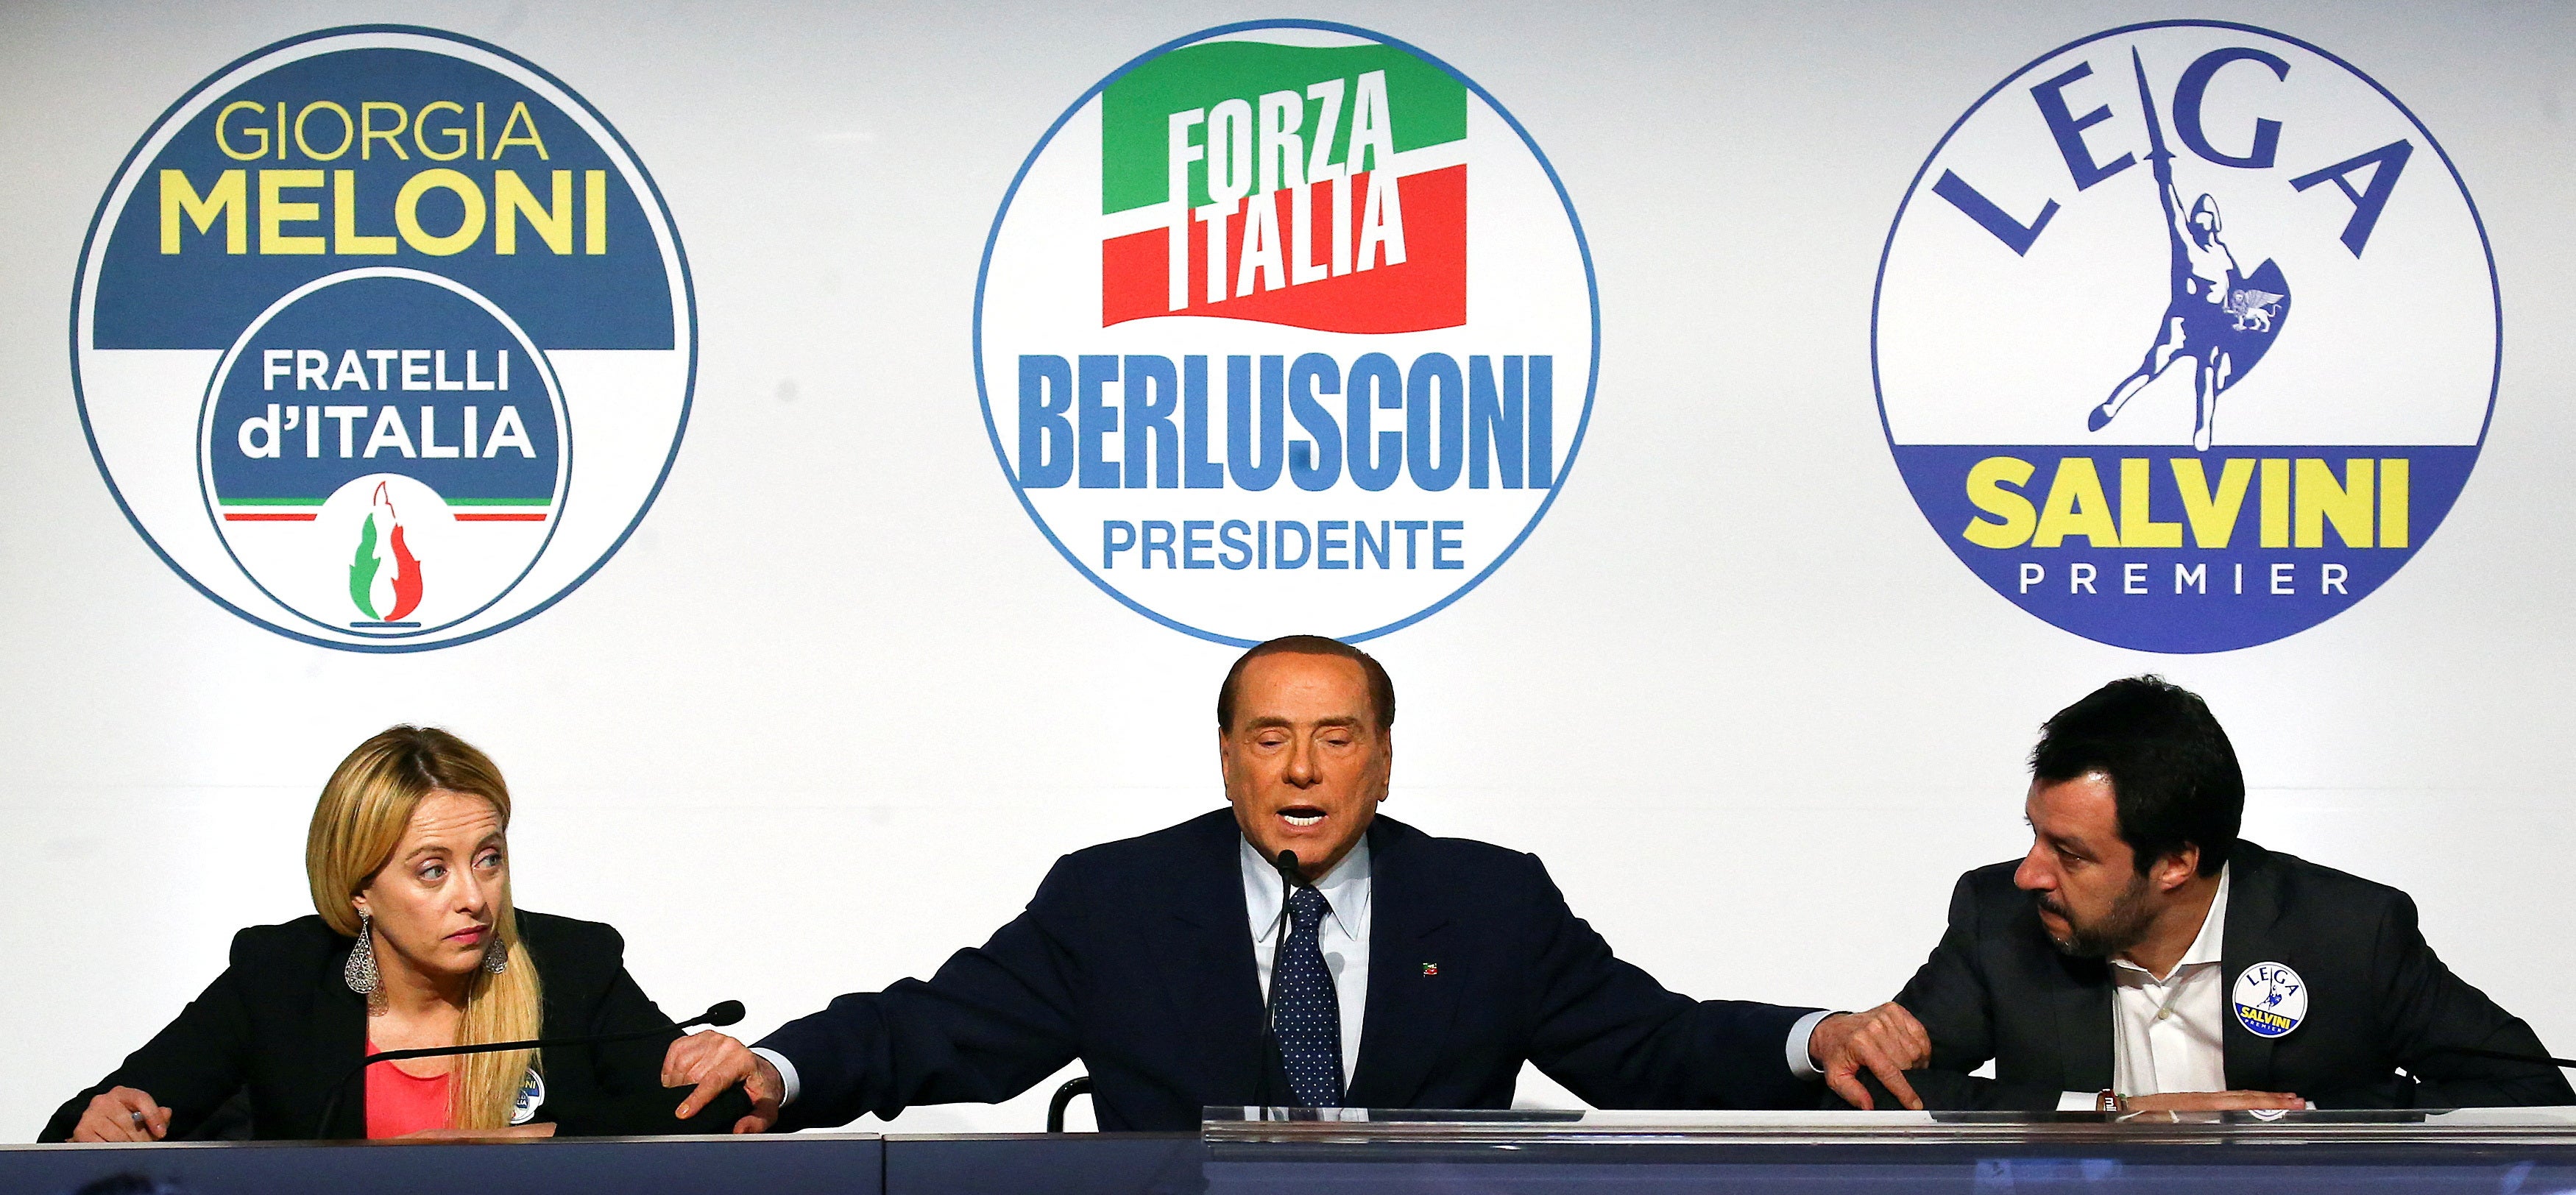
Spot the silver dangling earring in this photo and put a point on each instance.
(496, 957)
(360, 971)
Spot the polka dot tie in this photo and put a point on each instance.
(1310, 1015)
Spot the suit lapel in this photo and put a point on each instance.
(2253, 913)
(1406, 1024)
(1205, 959)
(338, 1041)
(2084, 1024)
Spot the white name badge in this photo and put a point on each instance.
(2270, 999)
(532, 1094)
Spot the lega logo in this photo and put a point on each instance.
(340, 318)
(2186, 336)
(532, 1096)
(2269, 999)
(1231, 351)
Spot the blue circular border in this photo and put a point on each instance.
(688, 294)
(1591, 284)
(563, 440)
(2495, 290)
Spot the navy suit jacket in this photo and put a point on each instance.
(1136, 957)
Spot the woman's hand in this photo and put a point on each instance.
(122, 1114)
(715, 1061)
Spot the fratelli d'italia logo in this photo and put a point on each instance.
(343, 317)
(2186, 336)
(1285, 326)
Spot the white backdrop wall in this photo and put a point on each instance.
(837, 705)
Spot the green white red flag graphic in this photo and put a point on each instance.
(1319, 187)
(384, 578)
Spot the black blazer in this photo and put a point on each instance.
(2378, 1000)
(281, 1026)
(1136, 957)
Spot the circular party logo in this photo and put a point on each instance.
(2186, 336)
(345, 315)
(1286, 326)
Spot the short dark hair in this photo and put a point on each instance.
(2174, 779)
(1381, 688)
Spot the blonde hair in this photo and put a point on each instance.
(364, 811)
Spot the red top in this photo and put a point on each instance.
(398, 1103)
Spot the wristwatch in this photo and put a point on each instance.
(2109, 1102)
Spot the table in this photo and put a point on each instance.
(2520, 1152)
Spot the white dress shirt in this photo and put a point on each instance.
(1344, 935)
(2168, 1032)
(1344, 938)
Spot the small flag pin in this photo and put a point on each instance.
(1430, 968)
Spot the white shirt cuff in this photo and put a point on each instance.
(1801, 1064)
(786, 1074)
(2079, 1101)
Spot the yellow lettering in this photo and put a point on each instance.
(2138, 525)
(2322, 499)
(1992, 488)
(2076, 506)
(519, 118)
(2392, 502)
(258, 134)
(594, 212)
(420, 131)
(407, 212)
(225, 201)
(369, 134)
(275, 212)
(348, 129)
(344, 218)
(511, 199)
(2213, 518)
(2276, 502)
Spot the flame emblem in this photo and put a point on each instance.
(384, 577)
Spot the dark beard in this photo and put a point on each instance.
(2121, 928)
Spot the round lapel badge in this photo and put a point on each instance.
(532, 1095)
(2270, 999)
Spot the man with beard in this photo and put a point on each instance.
(2142, 957)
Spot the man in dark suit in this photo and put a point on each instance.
(2142, 957)
(1410, 971)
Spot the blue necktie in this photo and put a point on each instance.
(1310, 1015)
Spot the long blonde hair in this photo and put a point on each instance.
(364, 810)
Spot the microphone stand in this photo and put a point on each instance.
(1287, 865)
(724, 1013)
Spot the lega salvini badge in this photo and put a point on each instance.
(2186, 336)
(383, 338)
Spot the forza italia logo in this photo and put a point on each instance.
(2186, 336)
(340, 316)
(1286, 326)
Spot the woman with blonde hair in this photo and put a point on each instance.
(414, 943)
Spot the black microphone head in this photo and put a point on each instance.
(725, 1014)
(1286, 863)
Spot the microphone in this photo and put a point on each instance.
(722, 1013)
(1288, 880)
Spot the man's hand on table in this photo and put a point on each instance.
(714, 1062)
(1885, 1040)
